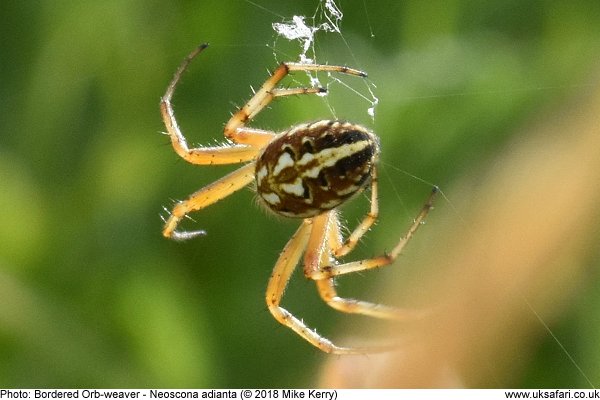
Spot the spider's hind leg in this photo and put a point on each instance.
(326, 270)
(320, 268)
(287, 262)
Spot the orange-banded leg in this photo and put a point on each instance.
(268, 91)
(319, 267)
(319, 237)
(329, 240)
(246, 149)
(341, 249)
(331, 270)
(282, 272)
(204, 197)
(287, 262)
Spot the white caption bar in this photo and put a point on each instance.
(327, 394)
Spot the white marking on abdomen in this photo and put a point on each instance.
(284, 161)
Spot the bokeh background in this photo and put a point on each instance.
(92, 295)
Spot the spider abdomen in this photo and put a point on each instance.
(312, 168)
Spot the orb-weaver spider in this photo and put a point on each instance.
(304, 172)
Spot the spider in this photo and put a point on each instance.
(304, 172)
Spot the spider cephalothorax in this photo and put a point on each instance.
(304, 172)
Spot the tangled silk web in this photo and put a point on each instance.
(327, 18)
(297, 29)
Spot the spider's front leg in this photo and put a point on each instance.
(226, 154)
(236, 129)
(245, 150)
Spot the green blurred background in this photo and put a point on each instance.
(90, 292)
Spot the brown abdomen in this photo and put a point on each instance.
(313, 168)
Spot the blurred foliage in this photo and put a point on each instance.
(90, 292)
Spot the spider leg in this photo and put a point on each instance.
(327, 291)
(326, 287)
(340, 250)
(269, 90)
(318, 252)
(297, 91)
(204, 197)
(329, 271)
(290, 66)
(253, 137)
(287, 262)
(246, 150)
